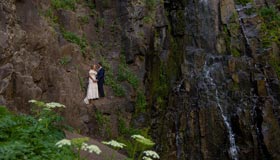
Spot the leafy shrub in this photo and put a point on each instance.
(141, 102)
(151, 4)
(84, 19)
(125, 130)
(235, 52)
(111, 81)
(103, 123)
(125, 74)
(64, 4)
(270, 29)
(51, 16)
(250, 11)
(32, 137)
(275, 63)
(73, 38)
(90, 4)
(65, 60)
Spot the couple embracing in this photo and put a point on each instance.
(96, 81)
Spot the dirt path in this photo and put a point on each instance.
(106, 151)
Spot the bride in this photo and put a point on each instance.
(92, 91)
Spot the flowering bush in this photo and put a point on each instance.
(32, 137)
(114, 144)
(80, 145)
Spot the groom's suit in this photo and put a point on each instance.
(100, 82)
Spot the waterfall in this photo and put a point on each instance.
(233, 150)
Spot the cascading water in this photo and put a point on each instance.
(233, 150)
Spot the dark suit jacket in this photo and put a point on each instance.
(100, 76)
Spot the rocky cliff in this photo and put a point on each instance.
(202, 75)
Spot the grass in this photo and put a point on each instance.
(125, 74)
(250, 11)
(64, 4)
(84, 19)
(111, 80)
(65, 60)
(82, 83)
(275, 63)
(148, 19)
(235, 52)
(103, 123)
(100, 22)
(151, 4)
(49, 14)
(90, 4)
(125, 129)
(270, 29)
(140, 102)
(31, 137)
(73, 38)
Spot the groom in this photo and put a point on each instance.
(100, 79)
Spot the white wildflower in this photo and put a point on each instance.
(114, 144)
(54, 105)
(152, 154)
(147, 158)
(63, 142)
(143, 140)
(40, 119)
(94, 148)
(90, 148)
(84, 146)
(32, 101)
(137, 137)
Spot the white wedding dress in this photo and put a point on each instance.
(92, 90)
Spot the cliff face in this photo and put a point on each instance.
(226, 101)
(207, 70)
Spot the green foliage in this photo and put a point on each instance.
(125, 74)
(90, 4)
(250, 11)
(84, 19)
(235, 52)
(105, 3)
(148, 19)
(270, 29)
(235, 86)
(103, 123)
(151, 4)
(64, 4)
(31, 137)
(275, 63)
(141, 102)
(100, 22)
(51, 16)
(243, 2)
(65, 60)
(124, 129)
(73, 38)
(82, 83)
(111, 79)
(135, 146)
